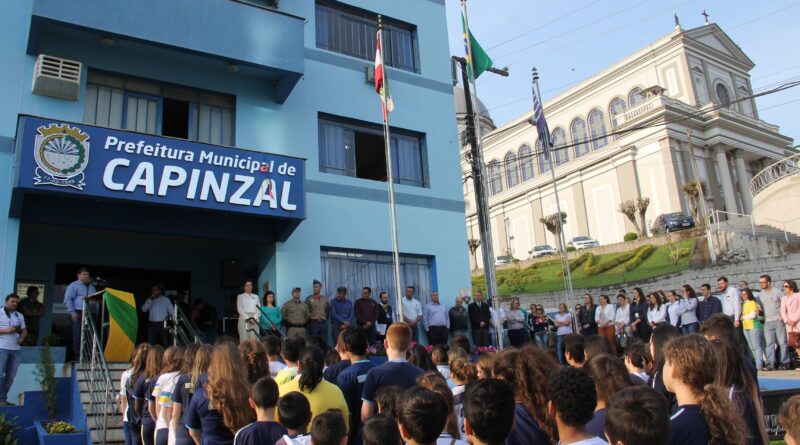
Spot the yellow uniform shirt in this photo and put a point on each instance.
(325, 396)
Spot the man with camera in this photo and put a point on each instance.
(12, 333)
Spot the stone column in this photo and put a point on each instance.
(744, 184)
(728, 194)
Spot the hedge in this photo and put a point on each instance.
(612, 263)
(630, 236)
(590, 262)
(680, 254)
(640, 256)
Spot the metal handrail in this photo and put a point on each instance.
(774, 172)
(183, 332)
(714, 219)
(97, 377)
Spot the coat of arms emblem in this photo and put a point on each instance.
(61, 153)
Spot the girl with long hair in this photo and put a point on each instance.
(661, 336)
(753, 330)
(689, 321)
(525, 369)
(790, 313)
(656, 311)
(255, 360)
(742, 389)
(271, 316)
(321, 394)
(517, 333)
(639, 323)
(609, 375)
(674, 307)
(143, 392)
(563, 327)
(180, 397)
(434, 381)
(705, 414)
(484, 366)
(131, 422)
(420, 358)
(162, 393)
(463, 372)
(604, 316)
(221, 406)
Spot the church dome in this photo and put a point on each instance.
(461, 107)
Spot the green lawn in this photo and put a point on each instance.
(658, 263)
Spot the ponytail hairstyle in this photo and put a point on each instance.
(434, 381)
(525, 369)
(187, 363)
(153, 366)
(202, 358)
(312, 362)
(227, 386)
(173, 357)
(692, 361)
(138, 363)
(255, 359)
(463, 370)
(731, 373)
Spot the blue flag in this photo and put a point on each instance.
(541, 122)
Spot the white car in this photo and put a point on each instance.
(583, 242)
(502, 260)
(544, 249)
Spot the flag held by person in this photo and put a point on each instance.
(381, 81)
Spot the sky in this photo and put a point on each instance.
(571, 40)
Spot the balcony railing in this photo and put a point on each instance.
(774, 173)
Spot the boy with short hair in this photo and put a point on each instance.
(328, 428)
(291, 350)
(294, 412)
(273, 346)
(381, 430)
(634, 362)
(263, 398)
(637, 415)
(488, 412)
(351, 379)
(572, 399)
(573, 350)
(421, 416)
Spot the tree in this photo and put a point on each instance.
(551, 224)
(473, 244)
(692, 190)
(641, 206)
(628, 208)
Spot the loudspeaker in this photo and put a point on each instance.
(231, 275)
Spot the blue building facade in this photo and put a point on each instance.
(195, 143)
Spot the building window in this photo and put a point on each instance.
(357, 150)
(597, 128)
(579, 137)
(352, 32)
(559, 139)
(355, 269)
(544, 164)
(635, 97)
(616, 108)
(512, 172)
(723, 95)
(495, 178)
(526, 162)
(155, 108)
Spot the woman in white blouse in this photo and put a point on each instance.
(248, 305)
(675, 308)
(657, 313)
(605, 316)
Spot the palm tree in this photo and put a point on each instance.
(628, 208)
(551, 224)
(641, 205)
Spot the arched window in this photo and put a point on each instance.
(723, 95)
(495, 178)
(597, 129)
(544, 164)
(635, 97)
(615, 108)
(512, 171)
(526, 162)
(559, 139)
(579, 137)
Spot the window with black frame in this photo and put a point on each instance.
(352, 32)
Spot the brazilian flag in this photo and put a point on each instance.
(123, 323)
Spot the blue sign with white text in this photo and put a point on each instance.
(101, 162)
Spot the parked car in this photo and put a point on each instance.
(502, 260)
(583, 242)
(671, 222)
(544, 249)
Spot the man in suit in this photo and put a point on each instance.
(479, 317)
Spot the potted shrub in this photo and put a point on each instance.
(53, 431)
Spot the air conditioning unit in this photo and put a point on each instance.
(57, 77)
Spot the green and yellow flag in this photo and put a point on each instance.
(477, 59)
(123, 324)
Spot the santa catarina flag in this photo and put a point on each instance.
(381, 81)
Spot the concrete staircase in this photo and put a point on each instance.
(94, 410)
(743, 225)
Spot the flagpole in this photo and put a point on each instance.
(484, 223)
(390, 179)
(546, 143)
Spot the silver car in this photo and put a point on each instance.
(544, 249)
(583, 242)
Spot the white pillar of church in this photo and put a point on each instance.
(744, 184)
(728, 194)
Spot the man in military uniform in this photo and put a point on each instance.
(318, 309)
(295, 315)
